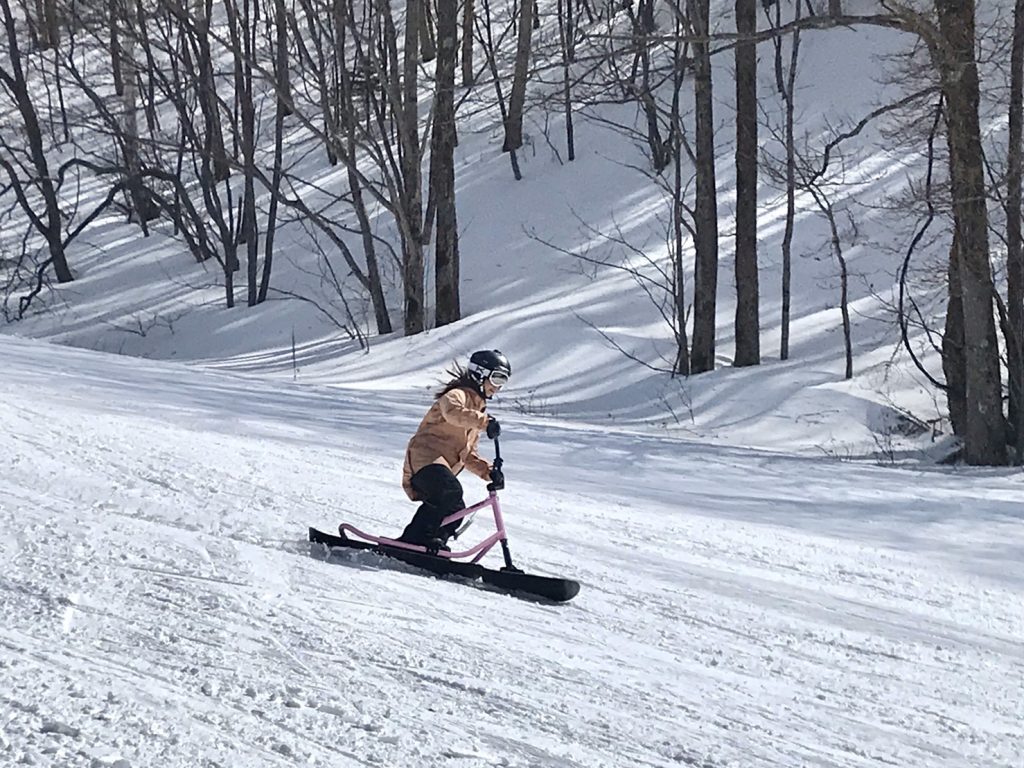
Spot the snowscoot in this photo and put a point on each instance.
(507, 579)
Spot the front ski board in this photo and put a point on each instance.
(548, 587)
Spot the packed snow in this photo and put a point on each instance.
(739, 608)
(774, 573)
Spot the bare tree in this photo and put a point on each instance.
(283, 104)
(679, 229)
(468, 14)
(360, 94)
(207, 90)
(828, 210)
(485, 33)
(47, 222)
(140, 204)
(566, 32)
(242, 27)
(411, 210)
(517, 97)
(114, 15)
(748, 345)
(1015, 250)
(984, 434)
(785, 81)
(705, 277)
(644, 90)
(442, 170)
(345, 19)
(950, 38)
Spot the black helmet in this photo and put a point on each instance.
(486, 362)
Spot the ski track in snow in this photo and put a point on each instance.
(738, 609)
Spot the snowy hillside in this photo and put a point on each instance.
(553, 313)
(739, 608)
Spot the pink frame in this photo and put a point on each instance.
(478, 551)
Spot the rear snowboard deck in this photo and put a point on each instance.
(514, 582)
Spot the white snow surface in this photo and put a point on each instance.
(747, 599)
(739, 608)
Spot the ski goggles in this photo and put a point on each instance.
(498, 378)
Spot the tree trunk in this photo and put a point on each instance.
(565, 34)
(682, 364)
(51, 34)
(954, 366)
(114, 14)
(468, 14)
(207, 92)
(143, 38)
(250, 231)
(660, 154)
(139, 206)
(283, 109)
(705, 290)
(748, 347)
(442, 177)
(283, 71)
(231, 263)
(412, 195)
(517, 98)
(984, 436)
(785, 79)
(844, 293)
(240, 27)
(1015, 250)
(428, 48)
(646, 12)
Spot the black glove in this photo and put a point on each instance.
(497, 480)
(493, 427)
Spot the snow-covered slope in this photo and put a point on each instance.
(738, 608)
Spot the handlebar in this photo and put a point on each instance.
(497, 464)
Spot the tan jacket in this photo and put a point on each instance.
(448, 435)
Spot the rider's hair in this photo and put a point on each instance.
(459, 378)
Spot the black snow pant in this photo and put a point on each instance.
(441, 493)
